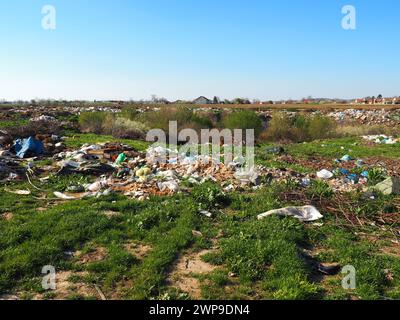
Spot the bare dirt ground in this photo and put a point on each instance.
(184, 270)
(140, 251)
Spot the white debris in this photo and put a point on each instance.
(19, 192)
(170, 185)
(324, 174)
(64, 196)
(381, 139)
(206, 213)
(43, 118)
(304, 214)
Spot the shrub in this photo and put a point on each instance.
(298, 128)
(118, 126)
(128, 129)
(243, 120)
(202, 121)
(129, 113)
(301, 128)
(92, 121)
(184, 117)
(320, 127)
(279, 128)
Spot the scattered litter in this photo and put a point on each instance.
(168, 185)
(19, 192)
(28, 147)
(121, 158)
(206, 213)
(197, 233)
(346, 158)
(43, 118)
(304, 214)
(275, 150)
(317, 224)
(101, 294)
(324, 174)
(248, 176)
(65, 196)
(381, 139)
(305, 182)
(328, 268)
(389, 186)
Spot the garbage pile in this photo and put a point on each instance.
(43, 118)
(159, 171)
(10, 169)
(342, 175)
(381, 116)
(15, 157)
(50, 111)
(350, 174)
(381, 139)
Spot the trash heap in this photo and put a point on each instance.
(159, 171)
(347, 174)
(44, 118)
(10, 168)
(381, 116)
(381, 139)
(17, 157)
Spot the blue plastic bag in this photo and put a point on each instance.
(29, 146)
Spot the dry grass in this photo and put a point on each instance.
(355, 130)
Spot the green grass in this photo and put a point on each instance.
(265, 256)
(345, 247)
(267, 251)
(76, 140)
(333, 148)
(149, 276)
(5, 124)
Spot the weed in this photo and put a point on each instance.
(209, 196)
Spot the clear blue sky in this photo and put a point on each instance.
(266, 49)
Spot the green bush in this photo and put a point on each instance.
(321, 127)
(243, 120)
(279, 128)
(299, 128)
(127, 129)
(120, 125)
(92, 122)
(129, 113)
(184, 117)
(202, 121)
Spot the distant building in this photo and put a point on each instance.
(372, 101)
(202, 100)
(391, 100)
(360, 101)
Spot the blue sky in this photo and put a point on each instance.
(265, 49)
